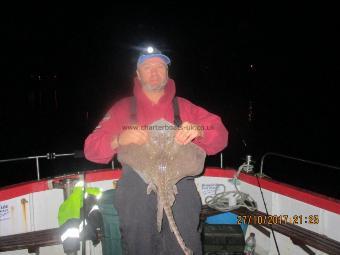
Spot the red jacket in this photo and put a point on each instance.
(98, 144)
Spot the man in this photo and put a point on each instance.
(154, 98)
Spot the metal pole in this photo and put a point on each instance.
(84, 218)
(64, 155)
(221, 160)
(13, 159)
(38, 168)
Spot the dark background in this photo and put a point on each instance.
(270, 72)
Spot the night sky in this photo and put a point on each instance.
(270, 72)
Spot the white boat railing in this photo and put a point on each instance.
(261, 174)
(48, 156)
(52, 155)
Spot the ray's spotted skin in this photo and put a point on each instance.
(161, 163)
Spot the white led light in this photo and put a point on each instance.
(79, 184)
(150, 49)
(81, 226)
(99, 196)
(70, 233)
(94, 208)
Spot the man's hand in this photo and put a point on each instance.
(188, 132)
(134, 135)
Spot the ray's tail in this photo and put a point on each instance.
(174, 229)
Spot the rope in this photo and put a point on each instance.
(226, 201)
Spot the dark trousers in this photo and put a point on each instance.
(137, 217)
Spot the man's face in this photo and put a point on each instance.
(153, 74)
